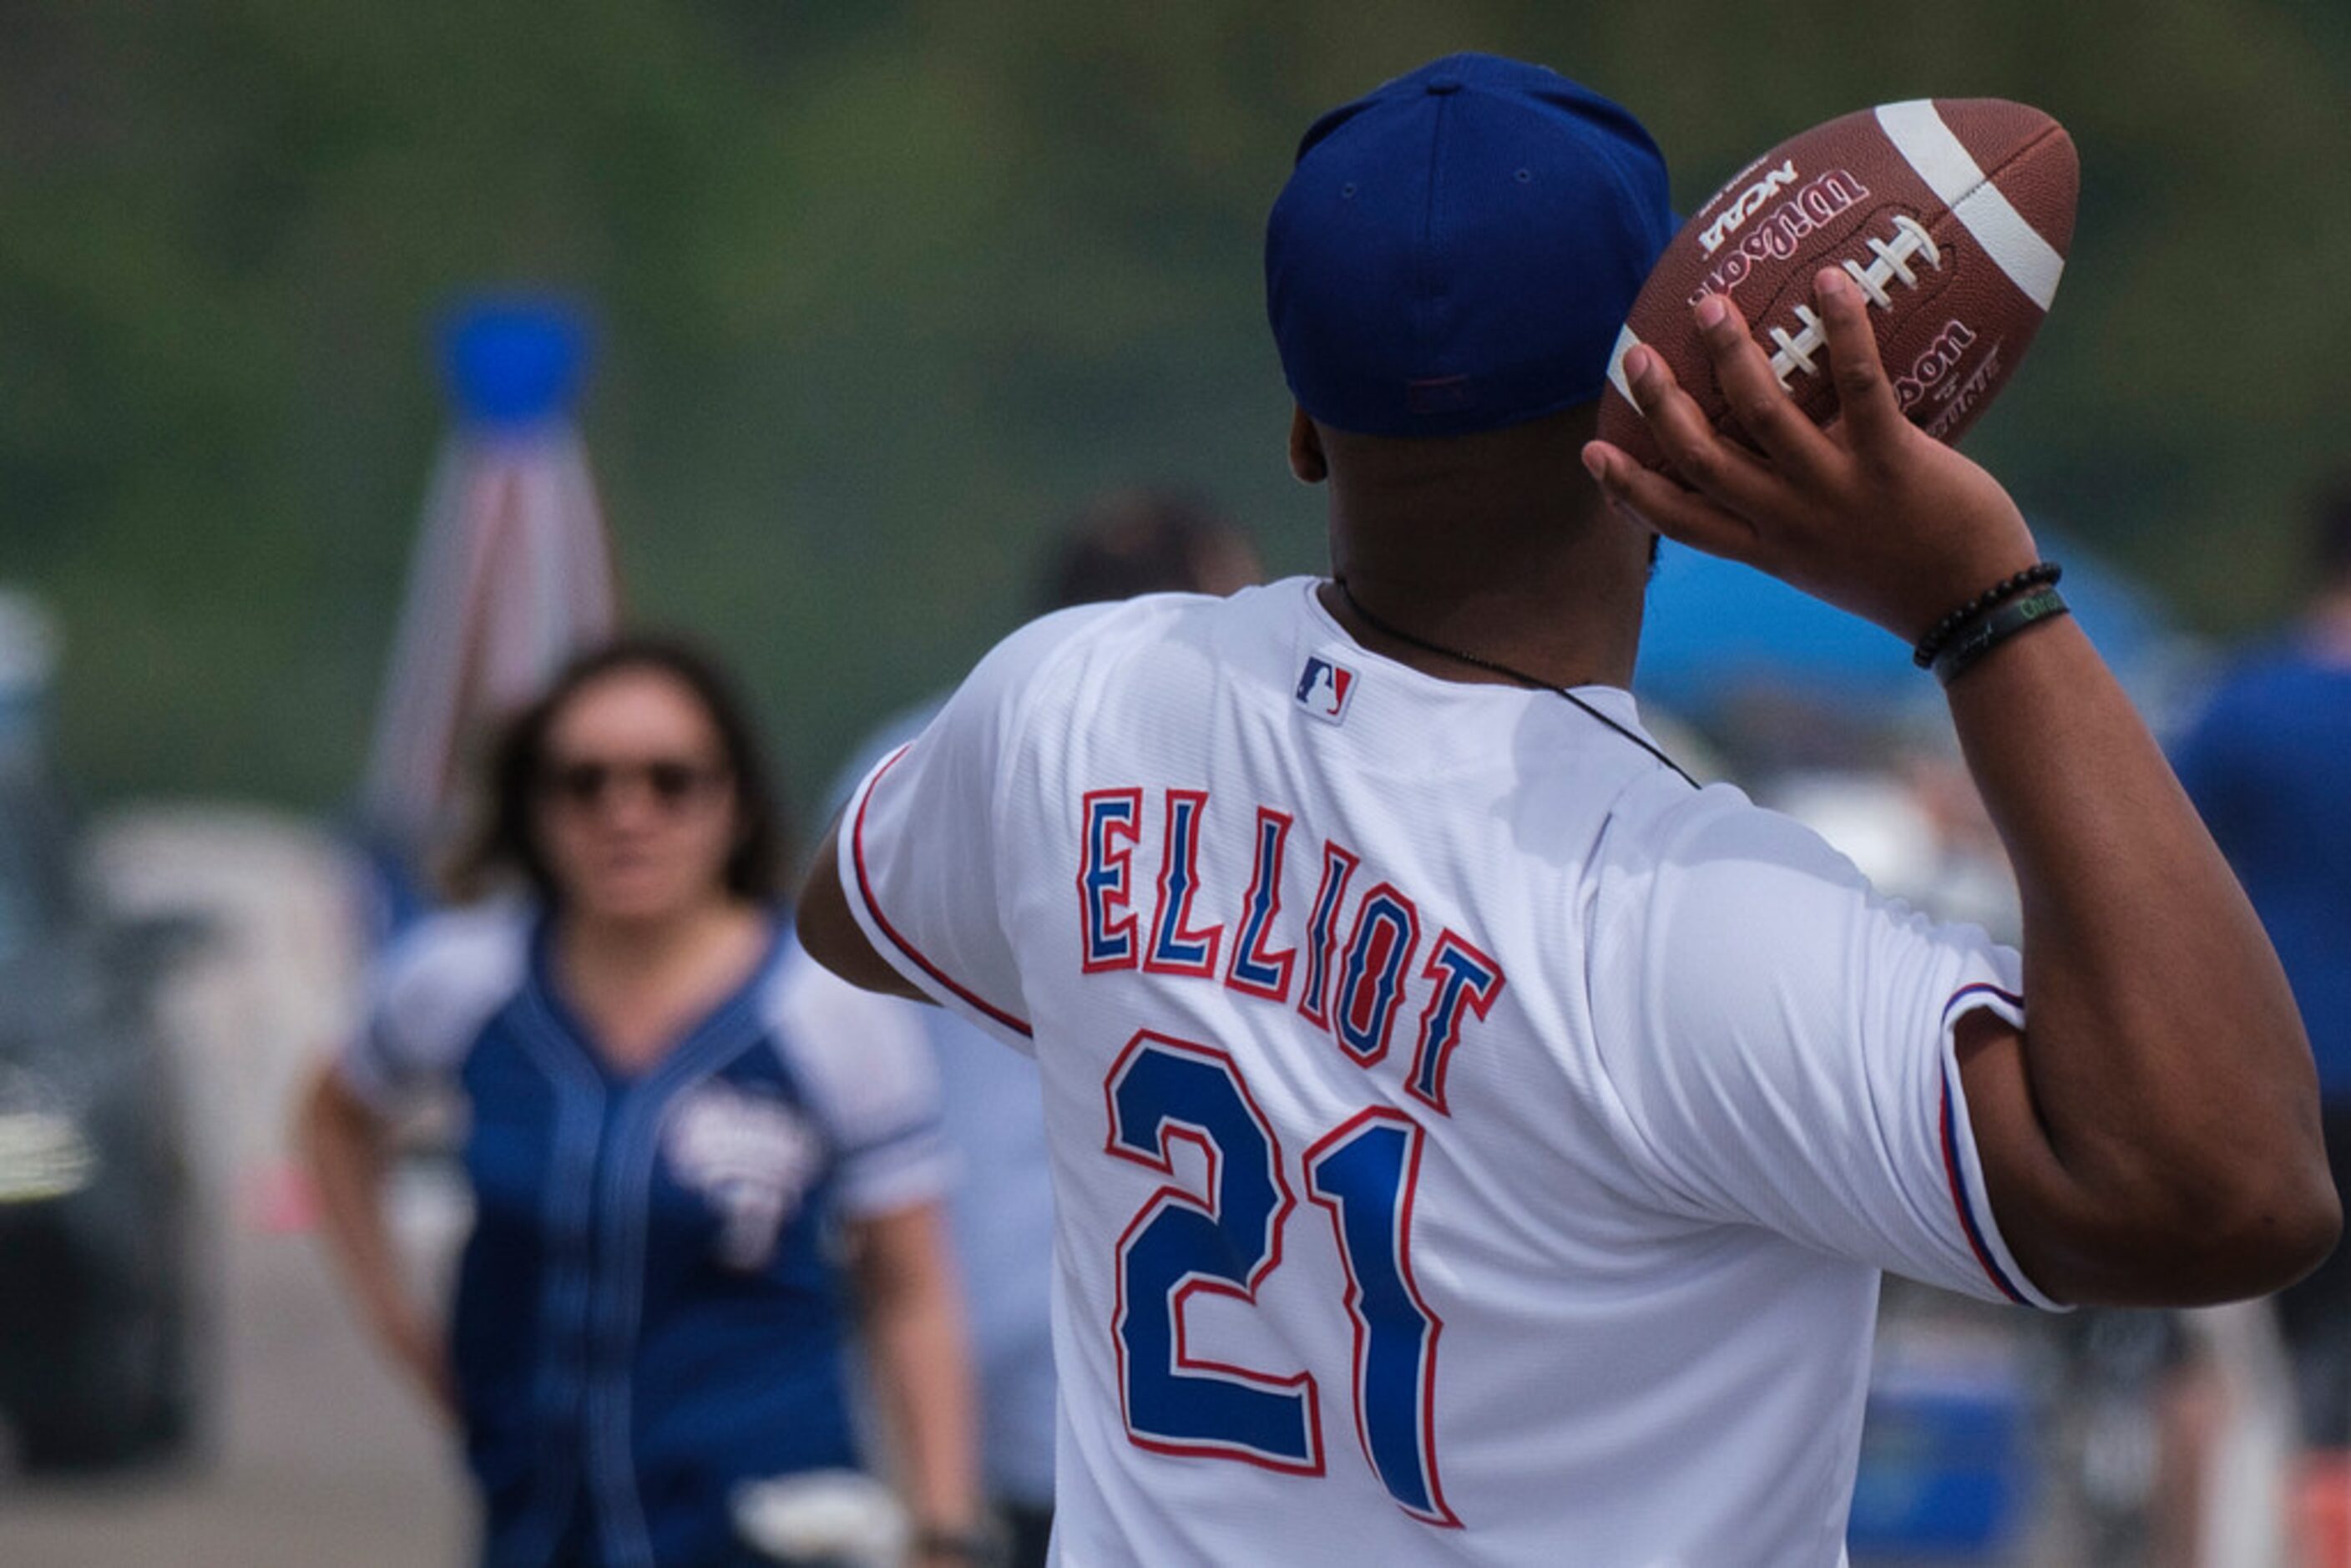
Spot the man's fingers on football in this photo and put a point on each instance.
(1699, 454)
(1865, 402)
(1757, 401)
(1654, 501)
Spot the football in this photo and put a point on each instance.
(1952, 215)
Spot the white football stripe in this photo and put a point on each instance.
(1918, 133)
(1626, 343)
(2031, 262)
(1950, 171)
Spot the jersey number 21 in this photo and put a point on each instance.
(1227, 1240)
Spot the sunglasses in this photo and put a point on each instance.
(585, 785)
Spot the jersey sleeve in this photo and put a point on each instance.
(921, 847)
(428, 999)
(1779, 1037)
(865, 1063)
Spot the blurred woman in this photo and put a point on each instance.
(681, 1129)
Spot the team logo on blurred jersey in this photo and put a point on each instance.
(752, 1157)
(1323, 688)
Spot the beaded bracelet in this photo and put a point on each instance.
(2035, 576)
(1997, 626)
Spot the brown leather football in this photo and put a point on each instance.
(1953, 217)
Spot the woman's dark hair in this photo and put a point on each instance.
(504, 842)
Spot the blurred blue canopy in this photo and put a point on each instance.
(1716, 629)
(514, 359)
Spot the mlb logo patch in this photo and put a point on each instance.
(1323, 688)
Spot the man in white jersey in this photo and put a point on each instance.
(1472, 1141)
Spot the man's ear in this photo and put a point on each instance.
(1306, 459)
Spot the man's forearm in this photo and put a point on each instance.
(2164, 1062)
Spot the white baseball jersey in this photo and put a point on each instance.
(1471, 1142)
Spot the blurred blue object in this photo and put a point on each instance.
(513, 575)
(1716, 630)
(1945, 1468)
(513, 360)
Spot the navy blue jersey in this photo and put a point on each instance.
(648, 1309)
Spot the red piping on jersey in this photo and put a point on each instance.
(865, 891)
(1951, 1151)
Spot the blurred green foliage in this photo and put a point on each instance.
(884, 289)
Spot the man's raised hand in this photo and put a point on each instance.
(1871, 514)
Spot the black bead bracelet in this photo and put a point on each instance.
(2037, 575)
(1995, 627)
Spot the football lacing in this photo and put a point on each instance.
(1890, 263)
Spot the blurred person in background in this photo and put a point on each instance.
(1122, 542)
(2269, 764)
(1140, 540)
(679, 1128)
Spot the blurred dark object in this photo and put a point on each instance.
(2119, 1365)
(1146, 539)
(99, 1357)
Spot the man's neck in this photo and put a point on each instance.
(1494, 545)
(1557, 602)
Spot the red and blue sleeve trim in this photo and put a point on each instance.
(1952, 1008)
(881, 922)
(1966, 1209)
(1959, 1201)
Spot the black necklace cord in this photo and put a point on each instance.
(1496, 667)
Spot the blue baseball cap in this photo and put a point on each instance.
(1456, 250)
